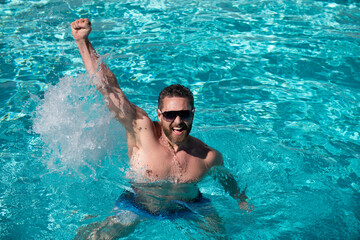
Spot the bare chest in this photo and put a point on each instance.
(162, 164)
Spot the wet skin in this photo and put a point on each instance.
(175, 157)
(160, 151)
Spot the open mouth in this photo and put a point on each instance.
(178, 130)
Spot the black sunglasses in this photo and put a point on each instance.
(170, 116)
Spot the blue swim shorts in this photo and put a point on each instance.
(127, 202)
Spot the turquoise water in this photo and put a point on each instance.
(277, 91)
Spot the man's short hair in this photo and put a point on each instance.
(175, 90)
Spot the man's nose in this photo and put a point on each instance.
(177, 119)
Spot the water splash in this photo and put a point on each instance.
(78, 130)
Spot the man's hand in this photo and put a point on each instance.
(243, 205)
(81, 29)
(227, 180)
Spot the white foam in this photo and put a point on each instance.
(76, 126)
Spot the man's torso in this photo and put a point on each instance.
(160, 176)
(159, 162)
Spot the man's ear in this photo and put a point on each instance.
(158, 113)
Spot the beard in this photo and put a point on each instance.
(177, 139)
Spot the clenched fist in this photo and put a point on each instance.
(81, 29)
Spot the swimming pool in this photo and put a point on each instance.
(277, 91)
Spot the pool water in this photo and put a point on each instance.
(277, 91)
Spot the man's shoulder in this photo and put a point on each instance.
(157, 128)
(199, 143)
(195, 142)
(209, 154)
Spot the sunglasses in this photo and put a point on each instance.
(170, 116)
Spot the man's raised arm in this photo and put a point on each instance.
(108, 86)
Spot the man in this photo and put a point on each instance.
(160, 152)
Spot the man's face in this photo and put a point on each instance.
(177, 127)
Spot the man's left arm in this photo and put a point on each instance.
(220, 173)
